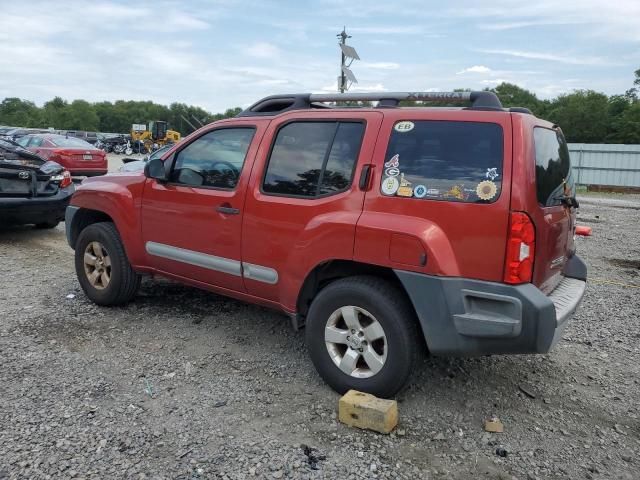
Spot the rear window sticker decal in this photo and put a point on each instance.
(390, 185)
(404, 126)
(486, 190)
(492, 173)
(393, 161)
(420, 191)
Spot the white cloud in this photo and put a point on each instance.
(263, 50)
(378, 65)
(475, 69)
(578, 59)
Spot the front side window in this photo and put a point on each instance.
(35, 142)
(554, 178)
(311, 159)
(213, 160)
(444, 160)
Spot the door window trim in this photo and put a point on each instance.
(174, 156)
(337, 121)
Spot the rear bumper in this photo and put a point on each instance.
(24, 210)
(88, 173)
(464, 317)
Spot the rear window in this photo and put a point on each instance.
(444, 160)
(70, 142)
(312, 159)
(554, 178)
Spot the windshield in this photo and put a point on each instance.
(70, 142)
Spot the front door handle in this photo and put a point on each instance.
(228, 209)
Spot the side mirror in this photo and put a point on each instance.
(155, 169)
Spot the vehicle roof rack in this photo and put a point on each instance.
(275, 104)
(520, 110)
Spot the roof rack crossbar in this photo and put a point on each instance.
(480, 100)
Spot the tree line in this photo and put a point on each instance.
(108, 117)
(586, 116)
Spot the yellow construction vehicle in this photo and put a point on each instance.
(158, 133)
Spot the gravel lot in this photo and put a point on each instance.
(186, 384)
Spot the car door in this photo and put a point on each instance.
(191, 224)
(304, 198)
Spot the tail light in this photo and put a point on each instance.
(64, 179)
(521, 246)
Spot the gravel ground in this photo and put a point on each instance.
(186, 384)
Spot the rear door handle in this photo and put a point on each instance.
(228, 209)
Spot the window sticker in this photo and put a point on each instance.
(392, 172)
(393, 161)
(457, 191)
(390, 185)
(486, 190)
(420, 191)
(405, 189)
(402, 127)
(492, 173)
(433, 192)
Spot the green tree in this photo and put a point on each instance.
(514, 96)
(19, 113)
(583, 116)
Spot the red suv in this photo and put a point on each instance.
(375, 227)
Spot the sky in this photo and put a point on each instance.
(219, 54)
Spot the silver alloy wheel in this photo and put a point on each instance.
(356, 342)
(97, 265)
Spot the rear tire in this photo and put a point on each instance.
(102, 266)
(380, 355)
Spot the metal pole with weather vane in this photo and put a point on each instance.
(348, 53)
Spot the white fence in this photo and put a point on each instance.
(606, 164)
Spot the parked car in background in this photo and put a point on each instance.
(16, 133)
(32, 190)
(79, 157)
(90, 137)
(137, 164)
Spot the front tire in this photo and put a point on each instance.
(361, 334)
(102, 266)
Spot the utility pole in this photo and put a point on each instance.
(348, 54)
(342, 83)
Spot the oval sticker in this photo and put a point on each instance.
(392, 172)
(390, 185)
(405, 126)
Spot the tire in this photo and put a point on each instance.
(373, 298)
(48, 224)
(121, 283)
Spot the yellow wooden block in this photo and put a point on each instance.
(362, 410)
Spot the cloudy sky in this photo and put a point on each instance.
(223, 53)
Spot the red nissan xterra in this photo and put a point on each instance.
(376, 227)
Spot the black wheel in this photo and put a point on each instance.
(102, 267)
(47, 224)
(361, 333)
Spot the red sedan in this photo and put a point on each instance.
(79, 157)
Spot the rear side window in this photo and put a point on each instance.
(444, 160)
(554, 178)
(311, 159)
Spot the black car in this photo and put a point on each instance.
(32, 190)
